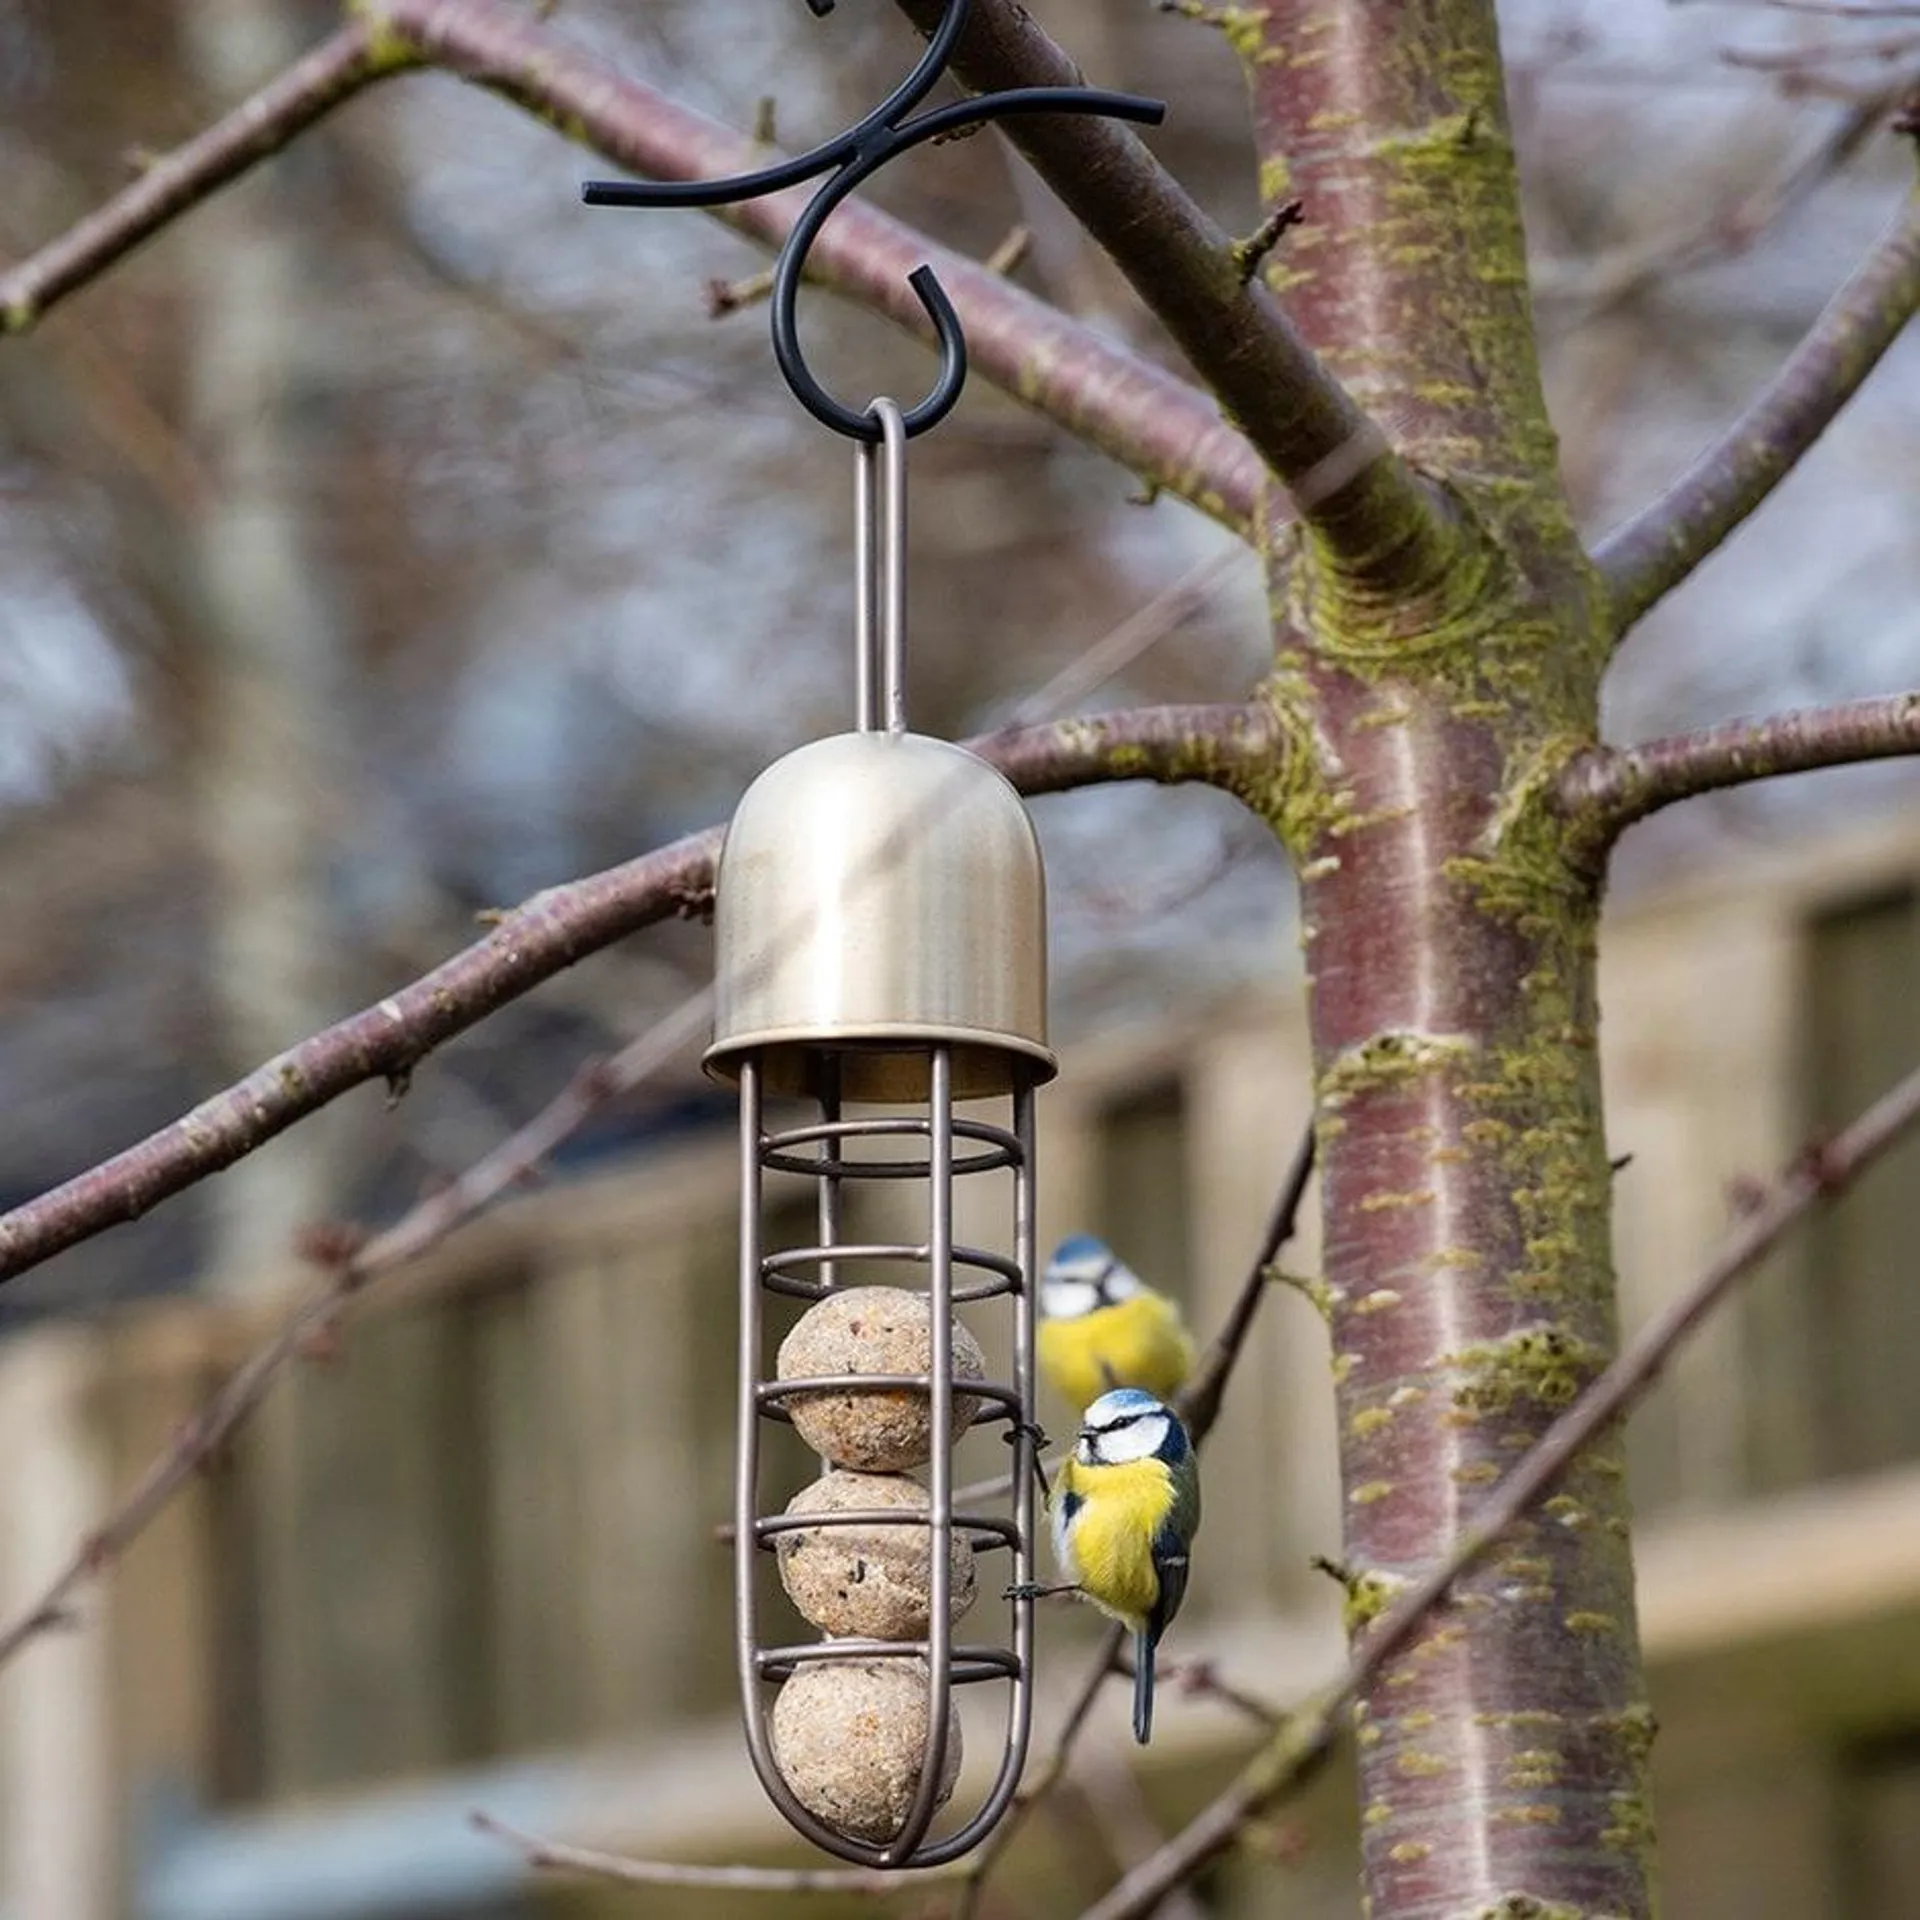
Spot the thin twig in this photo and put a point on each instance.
(1199, 1399)
(1594, 287)
(1607, 789)
(1788, 60)
(1202, 1679)
(1661, 545)
(193, 1445)
(169, 184)
(1849, 9)
(1012, 251)
(1037, 1788)
(730, 296)
(1249, 254)
(557, 1855)
(1817, 1176)
(350, 1271)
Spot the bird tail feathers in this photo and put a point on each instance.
(1142, 1687)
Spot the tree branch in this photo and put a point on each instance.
(538, 1852)
(286, 107)
(1371, 510)
(1146, 418)
(351, 1268)
(196, 1443)
(1199, 1400)
(535, 941)
(1607, 789)
(1662, 544)
(1818, 1176)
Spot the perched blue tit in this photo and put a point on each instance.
(1126, 1505)
(1102, 1326)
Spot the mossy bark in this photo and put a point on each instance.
(1449, 926)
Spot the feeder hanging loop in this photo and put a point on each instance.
(848, 159)
(880, 572)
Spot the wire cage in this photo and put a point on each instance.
(881, 956)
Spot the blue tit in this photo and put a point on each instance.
(1126, 1505)
(1102, 1326)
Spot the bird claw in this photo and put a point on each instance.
(1036, 1590)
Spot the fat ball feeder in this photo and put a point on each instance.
(880, 933)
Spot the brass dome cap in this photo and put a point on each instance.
(878, 894)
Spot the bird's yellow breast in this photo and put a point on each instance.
(1107, 1543)
(1136, 1343)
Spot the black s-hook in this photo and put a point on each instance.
(850, 158)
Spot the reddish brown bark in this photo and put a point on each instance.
(1465, 1184)
(1449, 935)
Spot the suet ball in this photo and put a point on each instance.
(868, 1581)
(873, 1330)
(850, 1737)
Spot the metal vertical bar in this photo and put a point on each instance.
(746, 1487)
(1025, 1444)
(892, 567)
(866, 625)
(829, 1198)
(940, 1494)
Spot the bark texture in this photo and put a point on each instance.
(1450, 936)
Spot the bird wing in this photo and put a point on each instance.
(1170, 1563)
(1170, 1547)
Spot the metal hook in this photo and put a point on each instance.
(851, 157)
(880, 573)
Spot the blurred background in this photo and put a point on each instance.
(395, 537)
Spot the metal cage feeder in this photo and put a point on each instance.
(880, 928)
(881, 934)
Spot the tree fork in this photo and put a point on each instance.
(1449, 921)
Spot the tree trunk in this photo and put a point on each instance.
(1450, 939)
(269, 698)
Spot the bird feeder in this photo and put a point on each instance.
(880, 924)
(881, 931)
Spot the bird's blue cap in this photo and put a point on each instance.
(1080, 1246)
